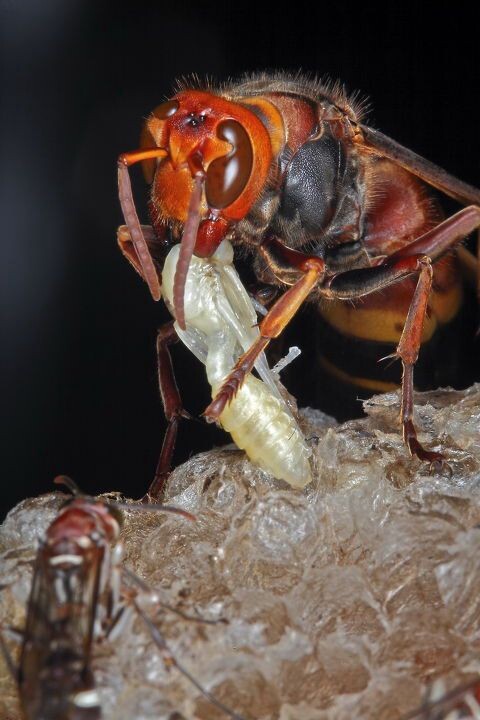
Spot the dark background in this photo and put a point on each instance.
(79, 382)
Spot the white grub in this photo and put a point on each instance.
(220, 326)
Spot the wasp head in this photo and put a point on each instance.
(207, 159)
(208, 136)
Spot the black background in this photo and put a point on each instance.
(79, 382)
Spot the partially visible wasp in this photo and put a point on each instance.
(220, 324)
(75, 597)
(329, 208)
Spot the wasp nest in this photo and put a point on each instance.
(344, 600)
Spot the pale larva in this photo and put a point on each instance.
(220, 326)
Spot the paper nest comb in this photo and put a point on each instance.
(344, 601)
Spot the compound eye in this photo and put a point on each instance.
(166, 109)
(227, 176)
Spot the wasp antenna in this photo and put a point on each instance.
(160, 642)
(71, 484)
(154, 508)
(186, 250)
(135, 580)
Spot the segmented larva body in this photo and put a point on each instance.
(220, 326)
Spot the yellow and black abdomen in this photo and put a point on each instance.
(352, 339)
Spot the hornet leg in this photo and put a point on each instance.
(414, 258)
(311, 269)
(172, 407)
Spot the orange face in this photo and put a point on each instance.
(208, 160)
(205, 133)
